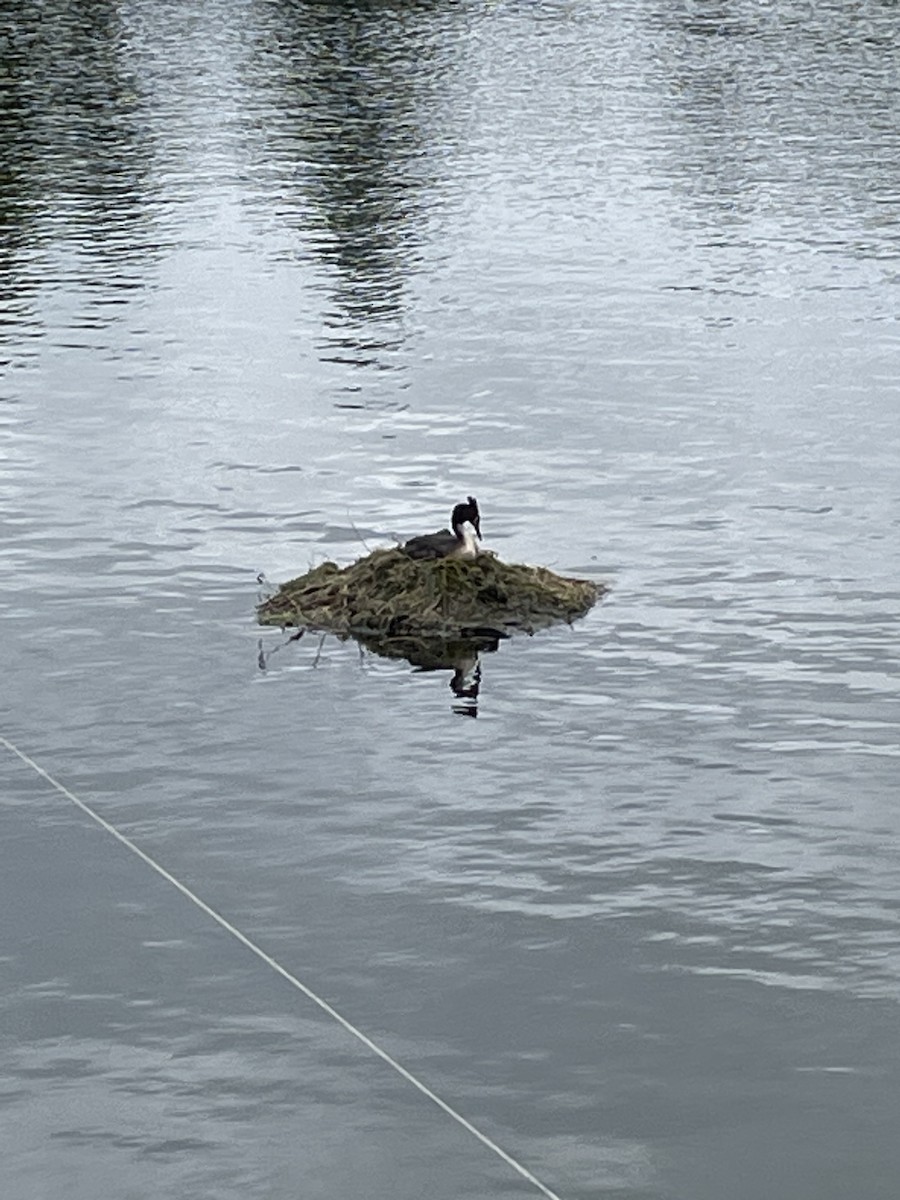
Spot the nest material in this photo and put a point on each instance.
(388, 594)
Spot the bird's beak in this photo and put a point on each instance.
(477, 524)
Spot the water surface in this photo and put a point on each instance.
(280, 281)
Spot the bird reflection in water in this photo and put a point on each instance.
(462, 657)
(466, 684)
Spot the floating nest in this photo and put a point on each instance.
(388, 595)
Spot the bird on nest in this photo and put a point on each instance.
(459, 541)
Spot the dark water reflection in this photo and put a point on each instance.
(75, 190)
(345, 93)
(282, 281)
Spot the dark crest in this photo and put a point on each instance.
(467, 512)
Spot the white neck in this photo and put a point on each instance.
(470, 541)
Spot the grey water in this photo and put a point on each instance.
(281, 280)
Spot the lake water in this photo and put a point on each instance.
(283, 280)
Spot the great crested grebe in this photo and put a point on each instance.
(465, 522)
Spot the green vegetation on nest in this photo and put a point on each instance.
(387, 594)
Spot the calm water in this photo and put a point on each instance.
(280, 280)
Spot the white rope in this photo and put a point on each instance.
(282, 971)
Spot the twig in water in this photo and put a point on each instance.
(319, 649)
(358, 534)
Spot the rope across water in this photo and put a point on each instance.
(270, 962)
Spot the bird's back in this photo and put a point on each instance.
(431, 545)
